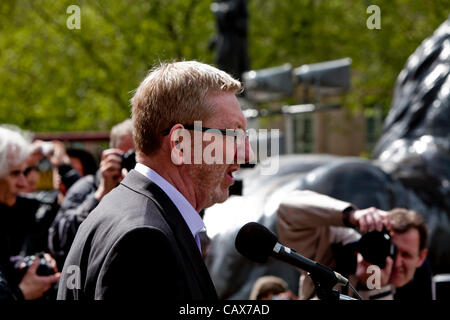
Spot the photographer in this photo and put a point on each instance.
(16, 283)
(86, 193)
(323, 229)
(37, 209)
(68, 165)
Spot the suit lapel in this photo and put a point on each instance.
(187, 243)
(179, 227)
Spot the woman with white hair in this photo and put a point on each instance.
(13, 153)
(14, 149)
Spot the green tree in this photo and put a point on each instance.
(53, 78)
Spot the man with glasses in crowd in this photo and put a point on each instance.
(141, 241)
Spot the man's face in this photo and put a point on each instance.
(32, 177)
(126, 143)
(408, 258)
(12, 184)
(57, 182)
(212, 181)
(77, 165)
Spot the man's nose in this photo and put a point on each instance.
(249, 154)
(398, 260)
(243, 152)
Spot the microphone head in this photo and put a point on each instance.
(255, 242)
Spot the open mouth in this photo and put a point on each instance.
(230, 175)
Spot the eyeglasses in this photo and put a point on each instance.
(225, 132)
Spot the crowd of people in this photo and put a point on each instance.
(130, 229)
(44, 223)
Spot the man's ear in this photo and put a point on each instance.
(179, 142)
(422, 255)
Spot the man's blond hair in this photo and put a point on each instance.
(175, 93)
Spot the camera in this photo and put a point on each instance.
(47, 148)
(44, 268)
(129, 159)
(376, 246)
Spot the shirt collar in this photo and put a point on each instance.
(192, 217)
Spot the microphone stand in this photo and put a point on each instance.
(324, 288)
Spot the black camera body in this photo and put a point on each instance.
(129, 159)
(376, 246)
(44, 269)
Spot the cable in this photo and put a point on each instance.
(354, 291)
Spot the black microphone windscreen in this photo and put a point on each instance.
(255, 242)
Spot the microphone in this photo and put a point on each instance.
(257, 243)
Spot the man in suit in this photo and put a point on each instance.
(141, 241)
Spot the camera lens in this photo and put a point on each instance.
(375, 246)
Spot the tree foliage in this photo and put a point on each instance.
(56, 79)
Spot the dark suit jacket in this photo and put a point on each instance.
(135, 245)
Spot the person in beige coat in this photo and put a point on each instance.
(310, 223)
